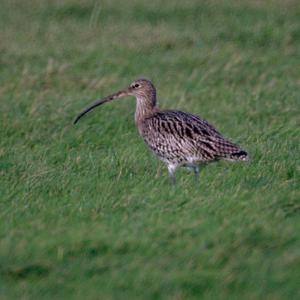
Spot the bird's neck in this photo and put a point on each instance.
(145, 107)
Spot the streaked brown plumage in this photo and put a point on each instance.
(177, 138)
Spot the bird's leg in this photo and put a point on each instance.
(171, 170)
(196, 172)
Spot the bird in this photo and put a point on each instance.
(179, 139)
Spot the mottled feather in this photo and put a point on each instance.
(179, 137)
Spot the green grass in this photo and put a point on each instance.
(87, 211)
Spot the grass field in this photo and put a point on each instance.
(87, 212)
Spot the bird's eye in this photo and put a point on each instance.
(135, 85)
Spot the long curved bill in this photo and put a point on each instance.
(114, 96)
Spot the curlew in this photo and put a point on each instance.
(176, 137)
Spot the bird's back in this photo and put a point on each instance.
(180, 138)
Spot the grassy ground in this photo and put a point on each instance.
(87, 212)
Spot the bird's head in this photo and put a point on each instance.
(142, 88)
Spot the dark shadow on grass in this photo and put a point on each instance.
(27, 271)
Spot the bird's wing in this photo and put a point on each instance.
(186, 132)
(195, 123)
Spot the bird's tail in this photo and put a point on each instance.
(239, 155)
(231, 151)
